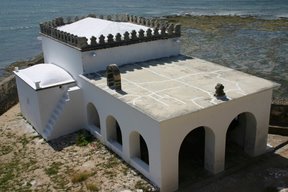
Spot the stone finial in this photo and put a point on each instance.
(129, 18)
(133, 35)
(92, 15)
(170, 29)
(219, 90)
(118, 37)
(109, 17)
(102, 39)
(93, 41)
(141, 34)
(163, 31)
(82, 42)
(126, 36)
(156, 32)
(148, 23)
(68, 20)
(110, 38)
(149, 33)
(59, 21)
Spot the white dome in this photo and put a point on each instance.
(47, 75)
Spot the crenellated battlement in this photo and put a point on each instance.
(157, 30)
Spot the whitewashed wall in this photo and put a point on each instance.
(130, 120)
(216, 121)
(72, 117)
(29, 103)
(62, 55)
(99, 59)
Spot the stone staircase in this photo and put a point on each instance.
(55, 115)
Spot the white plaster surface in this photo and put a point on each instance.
(89, 27)
(47, 75)
(171, 87)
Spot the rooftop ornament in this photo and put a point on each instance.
(157, 30)
(113, 77)
(219, 91)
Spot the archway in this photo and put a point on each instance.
(240, 139)
(138, 148)
(192, 156)
(93, 117)
(114, 133)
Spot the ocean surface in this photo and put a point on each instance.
(19, 19)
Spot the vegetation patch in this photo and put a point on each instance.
(84, 138)
(24, 140)
(78, 177)
(92, 187)
(142, 185)
(53, 169)
(214, 23)
(5, 149)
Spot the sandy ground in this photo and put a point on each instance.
(28, 163)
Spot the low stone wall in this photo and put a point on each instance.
(8, 96)
(8, 89)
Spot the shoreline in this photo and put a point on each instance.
(199, 35)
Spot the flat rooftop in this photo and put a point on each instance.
(89, 27)
(171, 87)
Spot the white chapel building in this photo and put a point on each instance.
(123, 79)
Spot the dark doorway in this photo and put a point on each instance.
(191, 157)
(118, 134)
(144, 155)
(240, 138)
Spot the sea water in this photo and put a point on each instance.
(19, 19)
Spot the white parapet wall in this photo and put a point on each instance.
(98, 60)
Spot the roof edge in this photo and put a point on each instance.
(161, 30)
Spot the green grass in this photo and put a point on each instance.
(24, 140)
(83, 138)
(142, 185)
(5, 149)
(53, 169)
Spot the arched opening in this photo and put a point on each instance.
(192, 157)
(240, 139)
(138, 148)
(114, 134)
(93, 118)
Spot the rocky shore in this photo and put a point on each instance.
(8, 89)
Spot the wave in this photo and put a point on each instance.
(18, 28)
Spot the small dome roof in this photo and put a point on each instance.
(47, 75)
